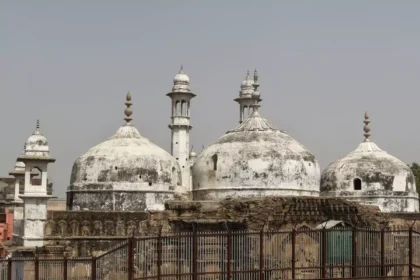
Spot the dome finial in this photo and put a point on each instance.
(256, 84)
(366, 128)
(181, 70)
(128, 111)
(37, 131)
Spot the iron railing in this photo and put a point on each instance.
(339, 253)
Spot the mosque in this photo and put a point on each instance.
(124, 183)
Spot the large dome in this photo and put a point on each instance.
(127, 172)
(255, 160)
(371, 176)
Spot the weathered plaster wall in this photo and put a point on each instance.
(56, 205)
(34, 218)
(387, 201)
(119, 200)
(180, 150)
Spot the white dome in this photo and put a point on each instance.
(37, 144)
(181, 82)
(127, 172)
(371, 176)
(181, 78)
(255, 160)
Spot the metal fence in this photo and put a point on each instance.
(339, 253)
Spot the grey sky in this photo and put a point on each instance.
(321, 65)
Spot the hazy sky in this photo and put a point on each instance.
(321, 65)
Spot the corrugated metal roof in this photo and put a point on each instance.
(331, 224)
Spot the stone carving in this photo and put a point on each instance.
(143, 227)
(49, 228)
(165, 227)
(97, 228)
(74, 225)
(109, 228)
(131, 228)
(85, 228)
(120, 228)
(62, 225)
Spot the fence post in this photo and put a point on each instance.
(354, 252)
(324, 252)
(9, 269)
(36, 268)
(131, 244)
(410, 252)
(383, 270)
(293, 253)
(195, 252)
(159, 256)
(65, 262)
(262, 254)
(93, 268)
(229, 254)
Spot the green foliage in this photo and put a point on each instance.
(415, 168)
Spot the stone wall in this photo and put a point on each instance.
(92, 232)
(64, 224)
(56, 205)
(274, 213)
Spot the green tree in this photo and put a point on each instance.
(415, 168)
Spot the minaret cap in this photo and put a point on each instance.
(128, 111)
(247, 85)
(366, 128)
(181, 82)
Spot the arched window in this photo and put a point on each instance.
(174, 177)
(36, 176)
(214, 158)
(183, 108)
(177, 108)
(357, 184)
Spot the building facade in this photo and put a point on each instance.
(128, 185)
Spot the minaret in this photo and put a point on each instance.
(180, 126)
(35, 157)
(248, 96)
(19, 174)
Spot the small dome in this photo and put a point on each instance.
(371, 176)
(19, 169)
(127, 172)
(37, 144)
(181, 78)
(255, 160)
(181, 82)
